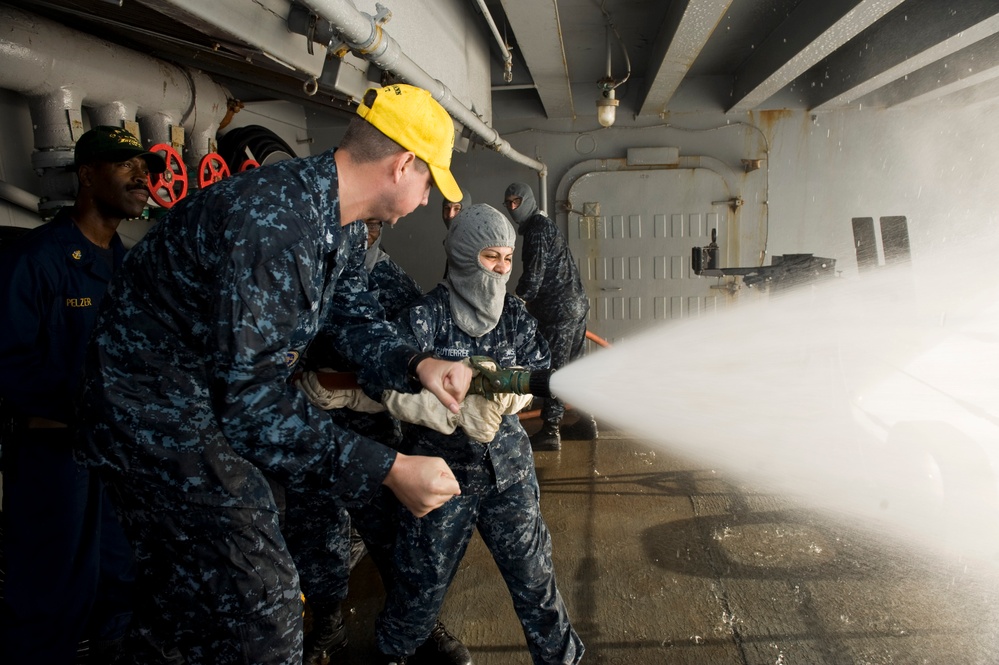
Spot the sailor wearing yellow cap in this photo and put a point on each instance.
(188, 411)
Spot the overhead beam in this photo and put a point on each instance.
(952, 88)
(967, 68)
(541, 44)
(686, 29)
(908, 39)
(814, 30)
(986, 92)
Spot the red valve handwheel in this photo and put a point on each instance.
(211, 169)
(170, 186)
(249, 164)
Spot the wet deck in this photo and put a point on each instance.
(665, 561)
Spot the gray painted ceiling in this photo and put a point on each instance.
(741, 55)
(729, 55)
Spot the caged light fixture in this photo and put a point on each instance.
(607, 102)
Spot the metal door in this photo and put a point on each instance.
(631, 233)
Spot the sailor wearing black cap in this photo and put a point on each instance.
(69, 568)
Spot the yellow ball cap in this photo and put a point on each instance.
(411, 117)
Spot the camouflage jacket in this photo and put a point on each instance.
(187, 373)
(514, 342)
(550, 283)
(396, 289)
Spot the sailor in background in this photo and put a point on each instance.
(553, 291)
(69, 569)
(450, 209)
(317, 527)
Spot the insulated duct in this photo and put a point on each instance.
(18, 196)
(369, 40)
(61, 71)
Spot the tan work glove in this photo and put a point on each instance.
(343, 398)
(510, 403)
(480, 418)
(422, 408)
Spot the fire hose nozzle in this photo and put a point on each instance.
(492, 379)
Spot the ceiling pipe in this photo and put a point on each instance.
(61, 70)
(17, 196)
(504, 49)
(370, 41)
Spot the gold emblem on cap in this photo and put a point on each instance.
(125, 136)
(77, 254)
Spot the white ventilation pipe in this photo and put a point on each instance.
(360, 32)
(18, 196)
(61, 71)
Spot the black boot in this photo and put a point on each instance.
(106, 652)
(584, 429)
(327, 638)
(441, 648)
(391, 660)
(547, 439)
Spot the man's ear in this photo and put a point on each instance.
(402, 162)
(85, 174)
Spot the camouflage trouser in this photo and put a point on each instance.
(429, 549)
(566, 341)
(317, 530)
(216, 586)
(317, 526)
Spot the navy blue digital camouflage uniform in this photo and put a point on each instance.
(317, 525)
(63, 545)
(188, 405)
(553, 291)
(499, 496)
(396, 290)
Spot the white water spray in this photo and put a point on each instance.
(874, 396)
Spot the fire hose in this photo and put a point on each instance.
(487, 382)
(490, 379)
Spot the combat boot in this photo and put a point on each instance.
(392, 660)
(441, 648)
(584, 429)
(547, 439)
(106, 652)
(327, 638)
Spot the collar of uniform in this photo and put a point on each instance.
(78, 249)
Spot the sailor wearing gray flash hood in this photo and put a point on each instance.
(450, 209)
(476, 292)
(470, 313)
(553, 291)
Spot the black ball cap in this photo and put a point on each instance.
(114, 144)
